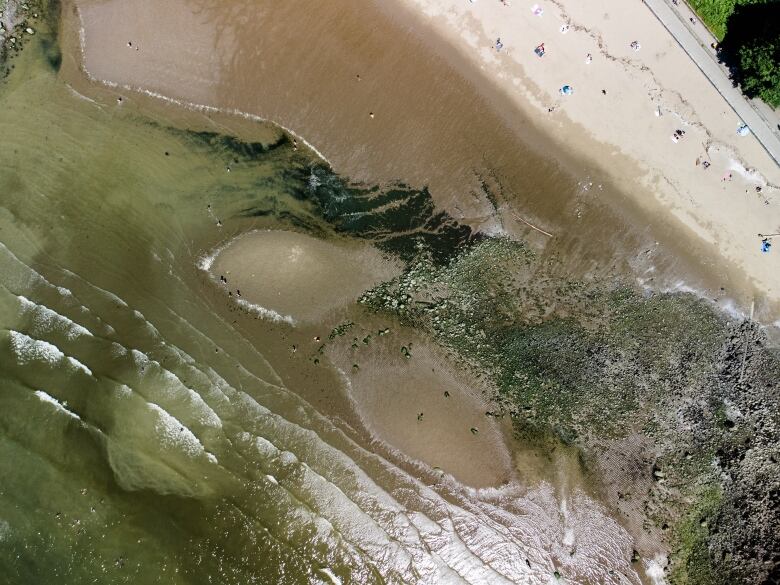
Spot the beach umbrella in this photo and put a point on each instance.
(567, 90)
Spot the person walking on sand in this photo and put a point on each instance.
(588, 59)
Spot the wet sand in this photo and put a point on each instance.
(295, 277)
(385, 99)
(423, 406)
(426, 406)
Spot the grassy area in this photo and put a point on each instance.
(714, 13)
(693, 565)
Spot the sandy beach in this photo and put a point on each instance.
(631, 100)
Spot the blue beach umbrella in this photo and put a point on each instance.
(567, 90)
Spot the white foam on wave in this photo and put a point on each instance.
(151, 329)
(173, 434)
(48, 398)
(330, 575)
(265, 313)
(654, 569)
(28, 349)
(46, 319)
(727, 306)
(16, 274)
(5, 530)
(173, 388)
(81, 96)
(206, 260)
(79, 366)
(107, 293)
(20, 278)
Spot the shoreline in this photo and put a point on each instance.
(685, 95)
(656, 216)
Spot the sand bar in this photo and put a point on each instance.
(426, 407)
(295, 277)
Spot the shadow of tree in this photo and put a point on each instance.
(751, 25)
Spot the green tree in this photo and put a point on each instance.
(760, 67)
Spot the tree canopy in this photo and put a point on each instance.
(751, 48)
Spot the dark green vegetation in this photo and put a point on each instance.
(751, 49)
(760, 68)
(595, 366)
(397, 219)
(716, 13)
(749, 35)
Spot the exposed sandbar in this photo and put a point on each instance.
(296, 276)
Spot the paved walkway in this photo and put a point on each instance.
(695, 40)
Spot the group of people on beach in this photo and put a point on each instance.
(567, 90)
